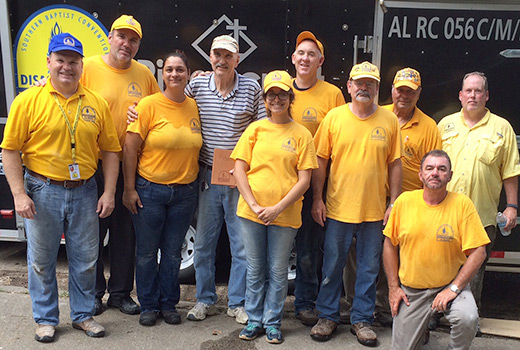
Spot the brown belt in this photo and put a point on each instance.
(66, 183)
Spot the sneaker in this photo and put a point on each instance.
(148, 318)
(273, 335)
(239, 313)
(171, 317)
(91, 328)
(200, 311)
(99, 308)
(45, 333)
(364, 333)
(250, 332)
(308, 317)
(323, 330)
(126, 305)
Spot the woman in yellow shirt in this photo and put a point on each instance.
(160, 165)
(274, 159)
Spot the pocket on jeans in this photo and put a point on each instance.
(141, 182)
(33, 185)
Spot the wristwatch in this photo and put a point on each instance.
(455, 289)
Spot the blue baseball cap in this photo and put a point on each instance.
(65, 42)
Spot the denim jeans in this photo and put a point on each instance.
(216, 204)
(69, 211)
(267, 251)
(161, 223)
(338, 236)
(307, 246)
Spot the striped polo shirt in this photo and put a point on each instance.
(224, 119)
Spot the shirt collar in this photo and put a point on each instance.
(213, 86)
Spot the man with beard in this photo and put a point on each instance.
(363, 144)
(434, 245)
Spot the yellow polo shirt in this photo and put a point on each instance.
(419, 136)
(36, 126)
(360, 151)
(433, 239)
(312, 105)
(482, 157)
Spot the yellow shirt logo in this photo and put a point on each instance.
(445, 233)
(33, 38)
(134, 90)
(289, 144)
(378, 134)
(88, 114)
(310, 115)
(195, 126)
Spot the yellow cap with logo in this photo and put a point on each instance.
(127, 22)
(278, 78)
(407, 77)
(365, 70)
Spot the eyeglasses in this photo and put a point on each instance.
(281, 96)
(369, 84)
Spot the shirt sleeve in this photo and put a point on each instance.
(322, 138)
(142, 125)
(244, 148)
(16, 130)
(307, 158)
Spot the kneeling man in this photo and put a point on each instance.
(434, 245)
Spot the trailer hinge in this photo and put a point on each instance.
(383, 6)
(367, 44)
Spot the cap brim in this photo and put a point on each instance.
(230, 48)
(277, 84)
(406, 83)
(66, 48)
(130, 28)
(361, 76)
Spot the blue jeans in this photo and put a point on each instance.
(307, 246)
(338, 237)
(161, 223)
(216, 204)
(267, 251)
(60, 211)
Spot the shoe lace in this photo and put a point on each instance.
(272, 331)
(251, 326)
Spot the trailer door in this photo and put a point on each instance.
(443, 41)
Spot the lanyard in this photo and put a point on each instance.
(72, 130)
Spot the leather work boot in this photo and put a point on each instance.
(308, 317)
(323, 330)
(364, 333)
(45, 333)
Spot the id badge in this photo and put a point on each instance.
(74, 171)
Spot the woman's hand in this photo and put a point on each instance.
(269, 214)
(131, 200)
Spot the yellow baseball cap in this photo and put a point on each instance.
(127, 22)
(407, 77)
(278, 78)
(364, 70)
(306, 35)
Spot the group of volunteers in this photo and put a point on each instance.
(405, 209)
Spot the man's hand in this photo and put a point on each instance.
(510, 214)
(395, 295)
(131, 200)
(24, 206)
(40, 82)
(441, 301)
(131, 114)
(199, 72)
(106, 205)
(319, 211)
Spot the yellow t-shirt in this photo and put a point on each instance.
(312, 105)
(275, 153)
(482, 157)
(419, 136)
(433, 239)
(171, 139)
(360, 151)
(36, 127)
(119, 87)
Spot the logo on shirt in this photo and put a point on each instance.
(195, 126)
(134, 90)
(289, 144)
(378, 134)
(449, 127)
(445, 233)
(408, 151)
(88, 114)
(310, 115)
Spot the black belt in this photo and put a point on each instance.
(66, 183)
